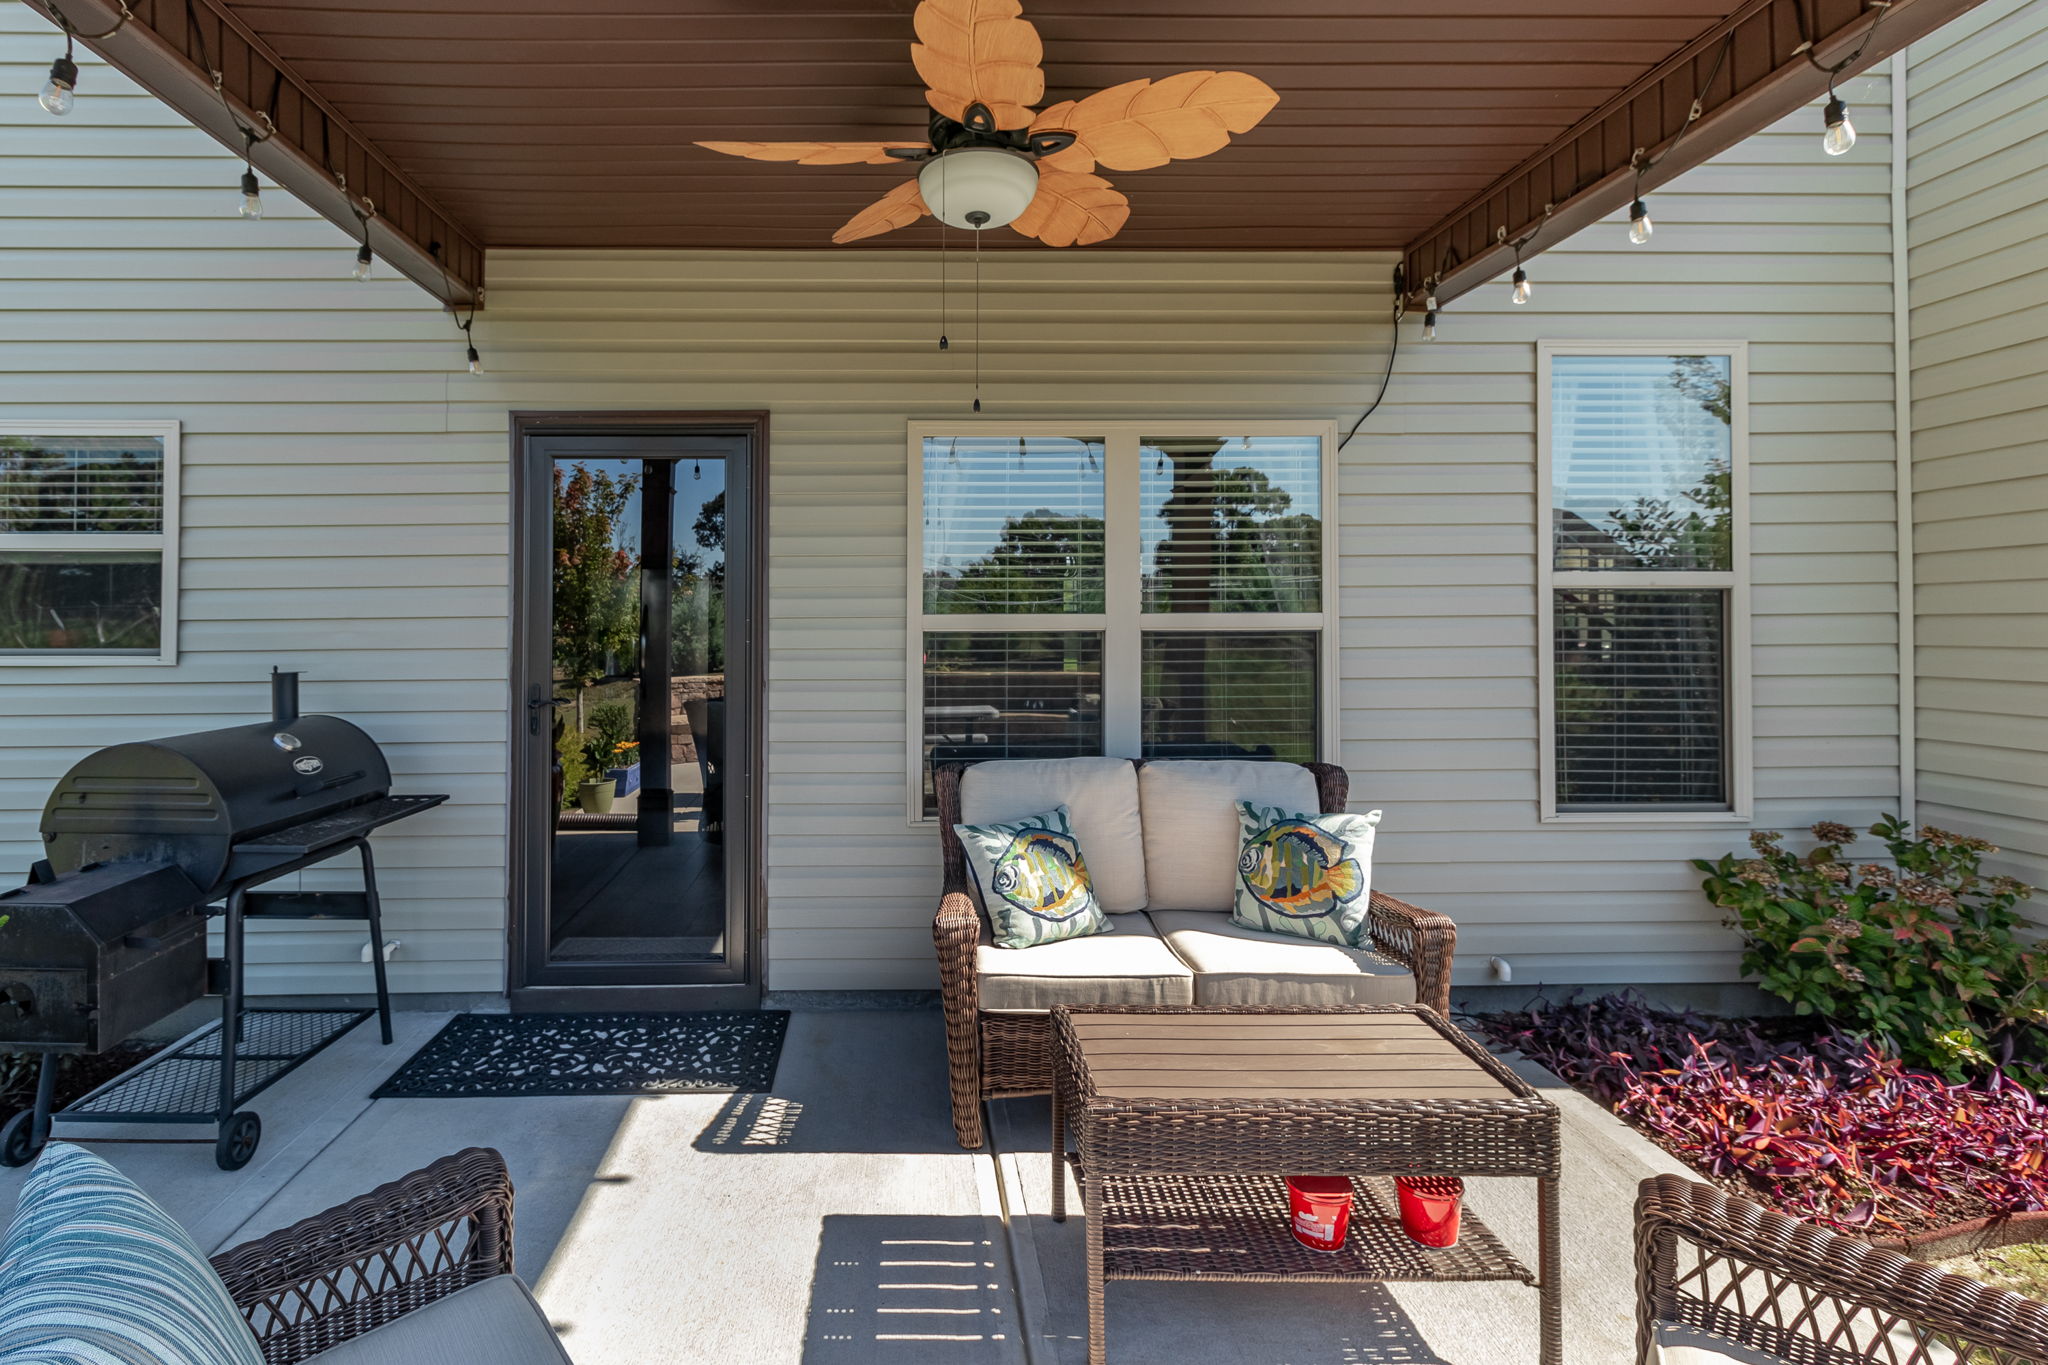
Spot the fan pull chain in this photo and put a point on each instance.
(943, 343)
(977, 218)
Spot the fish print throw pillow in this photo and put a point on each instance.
(1305, 874)
(1032, 879)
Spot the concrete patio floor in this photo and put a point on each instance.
(834, 1222)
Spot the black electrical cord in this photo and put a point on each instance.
(1393, 350)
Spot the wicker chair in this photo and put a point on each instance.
(340, 1274)
(1736, 1272)
(992, 1055)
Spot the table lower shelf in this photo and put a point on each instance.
(1232, 1227)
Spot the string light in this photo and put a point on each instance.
(462, 325)
(363, 257)
(1639, 225)
(57, 91)
(1519, 292)
(252, 196)
(1429, 311)
(1841, 134)
(60, 91)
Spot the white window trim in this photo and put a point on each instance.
(164, 541)
(1122, 620)
(1741, 733)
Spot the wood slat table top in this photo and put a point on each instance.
(1224, 1055)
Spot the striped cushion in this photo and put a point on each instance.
(93, 1273)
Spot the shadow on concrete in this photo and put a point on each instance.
(910, 1290)
(869, 1080)
(1222, 1323)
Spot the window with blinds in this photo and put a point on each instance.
(1232, 523)
(87, 544)
(1133, 593)
(1645, 597)
(1230, 694)
(1641, 699)
(1012, 525)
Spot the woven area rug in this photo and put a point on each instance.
(712, 1052)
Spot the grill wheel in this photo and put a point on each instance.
(18, 1144)
(237, 1141)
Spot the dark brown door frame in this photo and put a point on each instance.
(737, 982)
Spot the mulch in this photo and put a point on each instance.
(79, 1076)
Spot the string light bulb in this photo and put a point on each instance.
(1639, 225)
(1429, 319)
(476, 362)
(252, 196)
(1841, 134)
(363, 259)
(57, 92)
(1520, 293)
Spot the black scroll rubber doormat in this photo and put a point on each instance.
(708, 1052)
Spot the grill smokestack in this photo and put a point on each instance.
(284, 697)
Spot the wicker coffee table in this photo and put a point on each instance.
(1187, 1120)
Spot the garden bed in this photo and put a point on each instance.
(1817, 1125)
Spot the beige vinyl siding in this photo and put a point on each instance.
(1437, 506)
(331, 523)
(387, 584)
(1977, 199)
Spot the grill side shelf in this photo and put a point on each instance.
(295, 841)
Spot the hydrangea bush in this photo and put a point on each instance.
(1925, 957)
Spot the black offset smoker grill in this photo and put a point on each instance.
(109, 936)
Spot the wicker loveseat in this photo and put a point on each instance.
(1724, 1281)
(998, 1001)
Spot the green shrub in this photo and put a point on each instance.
(609, 740)
(1923, 956)
(569, 748)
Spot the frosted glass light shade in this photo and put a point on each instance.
(977, 180)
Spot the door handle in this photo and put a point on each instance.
(538, 705)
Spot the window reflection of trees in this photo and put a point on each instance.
(1231, 542)
(1042, 561)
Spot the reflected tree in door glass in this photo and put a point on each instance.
(596, 594)
(697, 595)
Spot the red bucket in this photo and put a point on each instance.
(1319, 1210)
(1429, 1208)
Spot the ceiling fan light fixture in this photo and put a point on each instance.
(978, 187)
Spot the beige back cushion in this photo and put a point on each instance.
(1191, 824)
(1101, 797)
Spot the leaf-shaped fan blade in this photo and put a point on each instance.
(1071, 209)
(1142, 124)
(900, 207)
(814, 153)
(979, 52)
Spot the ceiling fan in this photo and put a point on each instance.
(990, 159)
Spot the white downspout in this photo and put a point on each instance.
(1902, 441)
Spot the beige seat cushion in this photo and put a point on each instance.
(492, 1322)
(1129, 965)
(1192, 835)
(1101, 797)
(1234, 965)
(1684, 1346)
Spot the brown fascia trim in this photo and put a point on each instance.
(1765, 74)
(174, 48)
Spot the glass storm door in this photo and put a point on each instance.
(634, 808)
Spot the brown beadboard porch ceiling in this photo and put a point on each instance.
(1414, 125)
